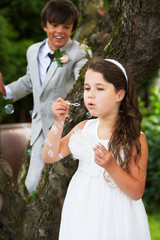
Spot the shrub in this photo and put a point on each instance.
(151, 129)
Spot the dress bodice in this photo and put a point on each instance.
(81, 145)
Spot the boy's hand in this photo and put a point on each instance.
(60, 109)
(2, 88)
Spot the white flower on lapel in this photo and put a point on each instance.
(60, 57)
(64, 59)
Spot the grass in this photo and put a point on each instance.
(154, 225)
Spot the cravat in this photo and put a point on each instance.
(51, 56)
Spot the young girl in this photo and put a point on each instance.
(103, 201)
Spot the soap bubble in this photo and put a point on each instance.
(50, 153)
(9, 109)
(69, 118)
(24, 126)
(29, 151)
(88, 115)
(27, 131)
(30, 112)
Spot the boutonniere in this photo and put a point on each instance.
(60, 57)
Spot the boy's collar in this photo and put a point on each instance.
(64, 48)
(47, 48)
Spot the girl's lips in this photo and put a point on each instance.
(91, 105)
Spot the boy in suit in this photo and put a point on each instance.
(45, 79)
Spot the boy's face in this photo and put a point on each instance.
(58, 34)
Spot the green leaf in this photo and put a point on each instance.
(59, 63)
(32, 196)
(57, 55)
(63, 53)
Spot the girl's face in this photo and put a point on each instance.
(100, 96)
(58, 34)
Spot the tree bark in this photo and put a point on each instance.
(13, 207)
(91, 11)
(129, 32)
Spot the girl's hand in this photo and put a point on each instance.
(102, 156)
(60, 109)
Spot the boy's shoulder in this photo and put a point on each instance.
(36, 45)
(80, 48)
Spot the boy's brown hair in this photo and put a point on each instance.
(59, 12)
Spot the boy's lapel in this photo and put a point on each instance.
(49, 75)
(52, 70)
(36, 72)
(35, 69)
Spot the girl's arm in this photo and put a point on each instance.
(132, 182)
(55, 148)
(52, 145)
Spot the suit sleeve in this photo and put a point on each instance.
(21, 87)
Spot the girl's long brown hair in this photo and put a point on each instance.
(127, 126)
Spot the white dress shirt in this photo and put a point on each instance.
(43, 61)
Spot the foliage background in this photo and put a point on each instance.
(20, 27)
(151, 128)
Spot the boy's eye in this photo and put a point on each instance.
(54, 24)
(66, 27)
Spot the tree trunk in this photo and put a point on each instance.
(91, 11)
(12, 206)
(129, 32)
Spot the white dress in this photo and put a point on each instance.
(95, 209)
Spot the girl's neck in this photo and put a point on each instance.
(105, 128)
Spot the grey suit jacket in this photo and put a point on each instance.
(58, 82)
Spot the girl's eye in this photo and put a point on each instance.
(100, 89)
(87, 88)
